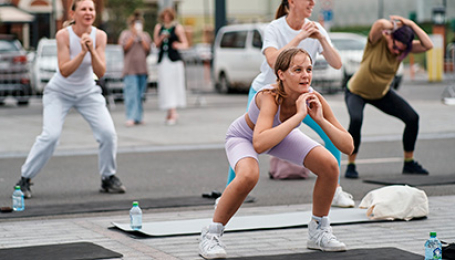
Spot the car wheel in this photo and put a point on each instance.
(223, 85)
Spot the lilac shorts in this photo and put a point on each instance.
(239, 144)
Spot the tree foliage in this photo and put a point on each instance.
(118, 13)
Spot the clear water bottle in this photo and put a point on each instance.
(18, 199)
(433, 248)
(136, 216)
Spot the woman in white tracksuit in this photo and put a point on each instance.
(80, 48)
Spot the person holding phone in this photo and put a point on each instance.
(136, 48)
(169, 37)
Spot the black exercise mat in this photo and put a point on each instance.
(71, 251)
(413, 180)
(385, 253)
(114, 205)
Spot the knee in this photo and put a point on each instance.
(331, 170)
(413, 119)
(108, 136)
(356, 120)
(248, 179)
(50, 137)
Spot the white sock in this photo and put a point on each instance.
(216, 228)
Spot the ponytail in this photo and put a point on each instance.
(73, 8)
(283, 9)
(68, 23)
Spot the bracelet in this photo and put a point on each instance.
(394, 23)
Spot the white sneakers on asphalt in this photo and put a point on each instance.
(342, 199)
(320, 236)
(210, 245)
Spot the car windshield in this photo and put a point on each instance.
(49, 51)
(8, 46)
(349, 44)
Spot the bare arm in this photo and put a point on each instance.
(377, 29)
(322, 114)
(183, 42)
(67, 65)
(157, 37)
(424, 43)
(98, 54)
(265, 136)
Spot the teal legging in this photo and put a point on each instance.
(309, 122)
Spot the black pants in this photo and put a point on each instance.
(391, 104)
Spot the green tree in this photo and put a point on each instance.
(118, 13)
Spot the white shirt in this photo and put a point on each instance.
(82, 79)
(277, 34)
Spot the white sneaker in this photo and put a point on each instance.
(320, 236)
(342, 199)
(210, 246)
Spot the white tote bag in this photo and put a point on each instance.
(395, 202)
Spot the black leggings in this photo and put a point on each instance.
(391, 104)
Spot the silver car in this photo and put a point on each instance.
(14, 71)
(44, 64)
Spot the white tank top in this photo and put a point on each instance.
(81, 80)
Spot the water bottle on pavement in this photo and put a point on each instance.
(433, 248)
(136, 216)
(18, 199)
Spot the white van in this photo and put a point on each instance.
(237, 60)
(237, 56)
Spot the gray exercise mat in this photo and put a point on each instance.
(413, 180)
(243, 223)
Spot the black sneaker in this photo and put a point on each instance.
(413, 167)
(25, 184)
(112, 184)
(351, 172)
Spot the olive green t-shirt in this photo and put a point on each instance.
(376, 72)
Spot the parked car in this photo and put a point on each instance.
(44, 64)
(325, 77)
(237, 56)
(14, 71)
(112, 81)
(350, 47)
(237, 59)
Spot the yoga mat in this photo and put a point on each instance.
(71, 251)
(386, 253)
(113, 205)
(413, 180)
(243, 223)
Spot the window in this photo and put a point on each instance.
(234, 40)
(7, 46)
(257, 39)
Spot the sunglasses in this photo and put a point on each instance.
(395, 47)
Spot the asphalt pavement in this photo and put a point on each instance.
(159, 161)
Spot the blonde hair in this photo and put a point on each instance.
(170, 11)
(73, 8)
(283, 61)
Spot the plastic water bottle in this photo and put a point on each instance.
(136, 216)
(18, 199)
(433, 248)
